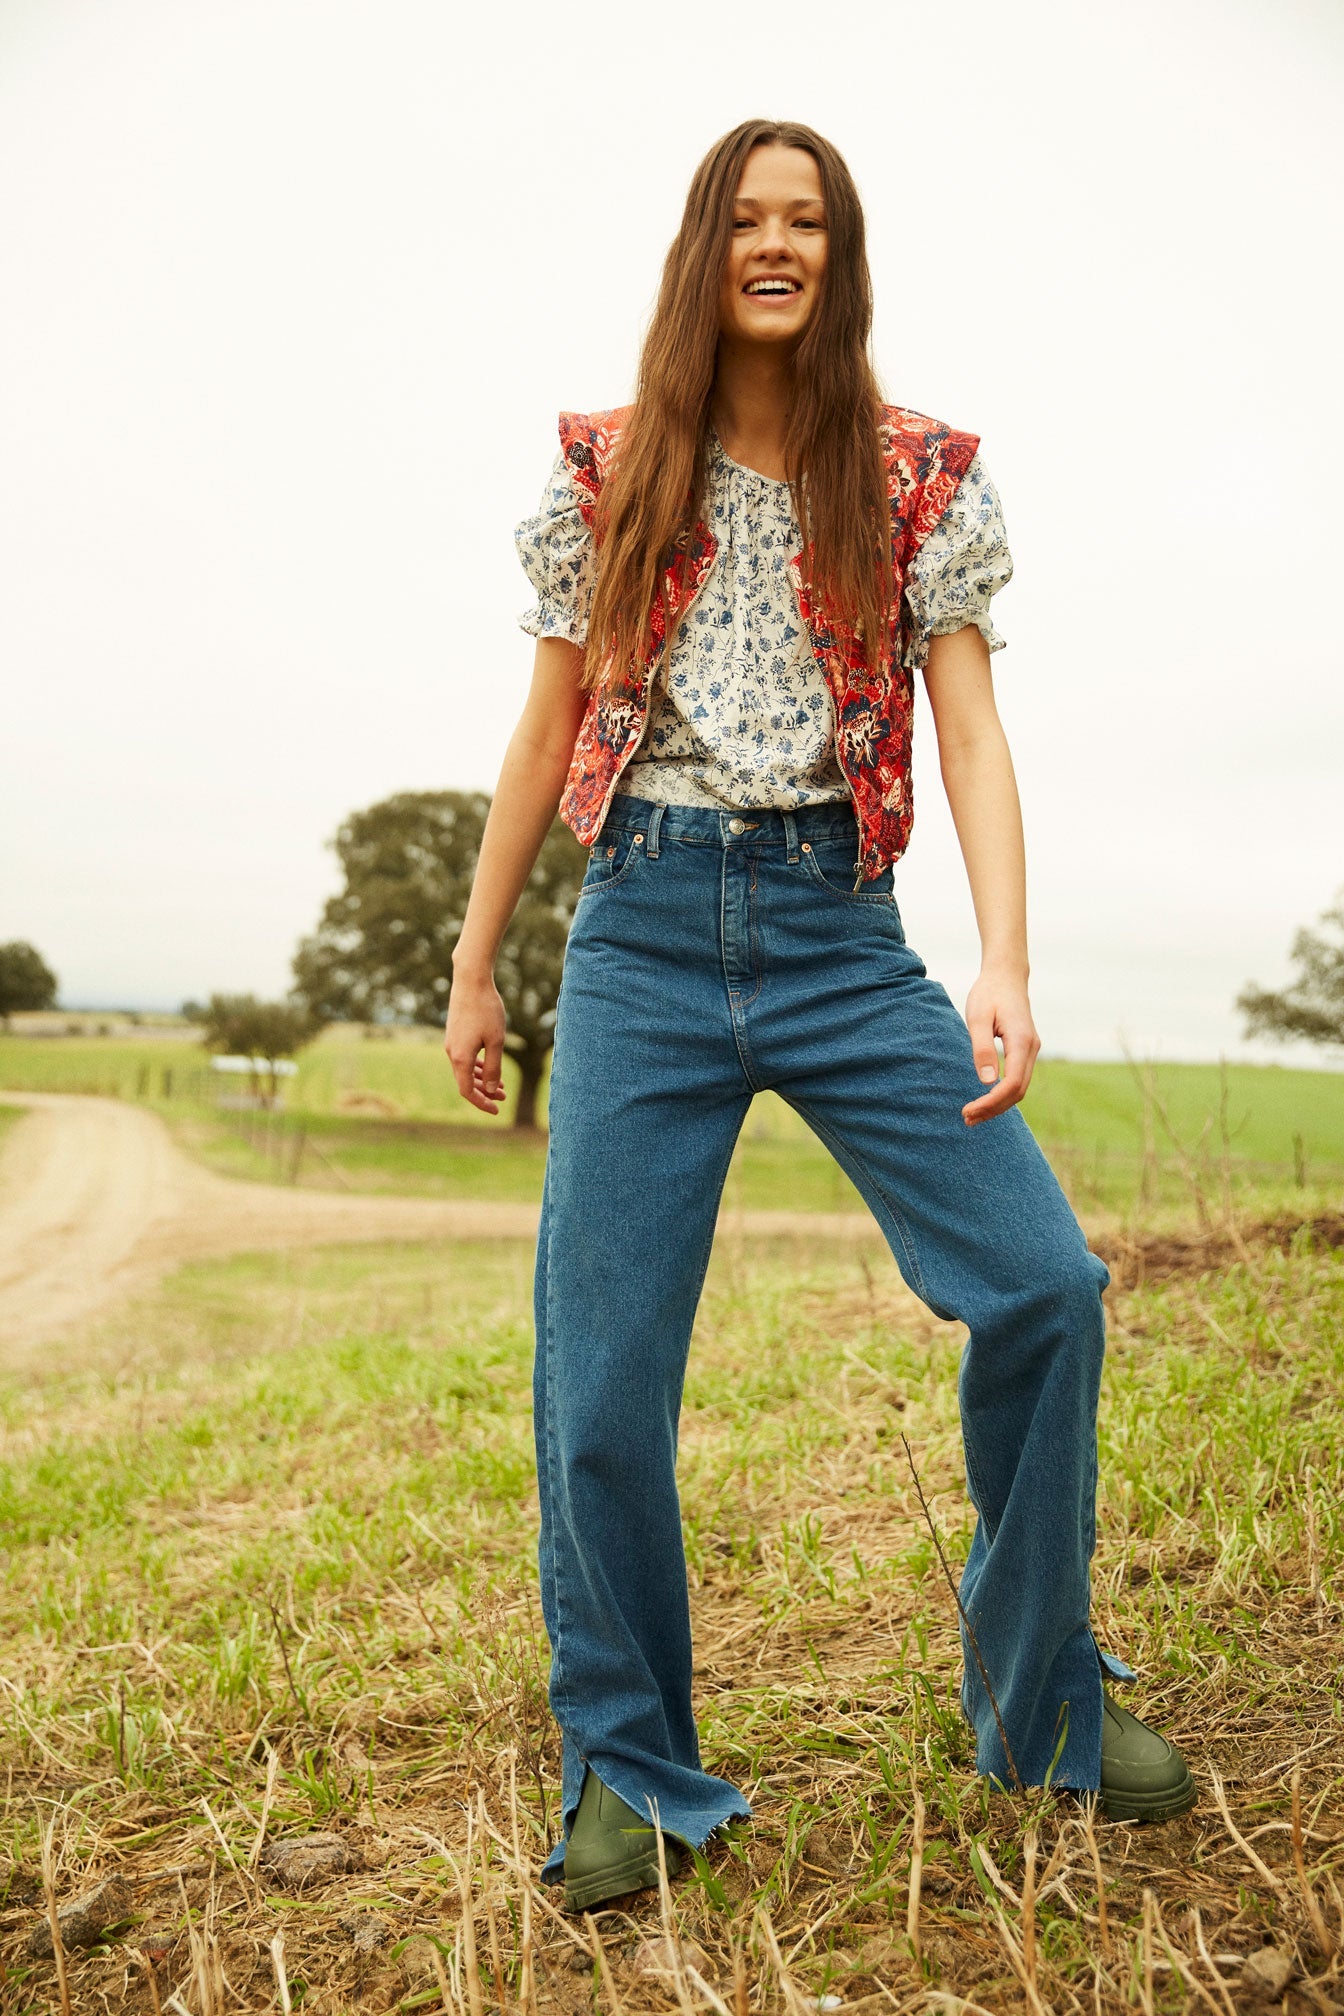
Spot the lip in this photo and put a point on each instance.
(796, 288)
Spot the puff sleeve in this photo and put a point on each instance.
(555, 546)
(964, 561)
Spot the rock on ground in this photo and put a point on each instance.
(367, 1930)
(300, 1861)
(85, 1918)
(1267, 1972)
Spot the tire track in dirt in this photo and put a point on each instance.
(97, 1201)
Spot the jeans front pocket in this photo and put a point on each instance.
(832, 867)
(610, 860)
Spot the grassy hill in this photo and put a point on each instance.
(384, 1113)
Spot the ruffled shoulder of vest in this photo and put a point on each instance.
(926, 460)
(586, 441)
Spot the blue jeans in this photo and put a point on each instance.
(712, 956)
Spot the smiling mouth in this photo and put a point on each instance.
(772, 289)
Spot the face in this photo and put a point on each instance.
(777, 254)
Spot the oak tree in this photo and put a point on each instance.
(1311, 1009)
(383, 948)
(26, 981)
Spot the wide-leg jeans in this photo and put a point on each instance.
(713, 955)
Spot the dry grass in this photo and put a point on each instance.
(271, 1572)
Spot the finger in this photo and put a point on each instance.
(983, 1049)
(470, 1083)
(1019, 1056)
(989, 1104)
(494, 1072)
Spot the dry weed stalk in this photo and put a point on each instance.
(916, 1878)
(475, 2000)
(606, 1980)
(1146, 1953)
(527, 1992)
(1089, 1829)
(206, 1970)
(281, 1977)
(1324, 1940)
(1154, 1103)
(1310, 1520)
(1029, 1905)
(1017, 1959)
(530, 1892)
(53, 1916)
(272, 1776)
(969, 1628)
(1275, 1881)
(144, 1961)
(794, 2001)
(996, 1876)
(1209, 1962)
(248, 1895)
(711, 1995)
(492, 1929)
(441, 1976)
(671, 1930)
(1179, 1961)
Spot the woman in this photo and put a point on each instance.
(737, 577)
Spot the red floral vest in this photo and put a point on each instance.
(873, 710)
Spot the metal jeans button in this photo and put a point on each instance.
(737, 825)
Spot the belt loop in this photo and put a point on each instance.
(791, 837)
(655, 821)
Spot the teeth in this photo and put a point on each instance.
(772, 287)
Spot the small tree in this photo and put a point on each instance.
(239, 1025)
(1312, 1008)
(384, 945)
(26, 981)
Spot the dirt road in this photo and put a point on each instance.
(97, 1200)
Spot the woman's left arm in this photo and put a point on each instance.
(982, 792)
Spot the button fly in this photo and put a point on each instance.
(737, 825)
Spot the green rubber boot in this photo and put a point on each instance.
(610, 1849)
(1143, 1777)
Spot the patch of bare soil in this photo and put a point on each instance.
(1135, 1260)
(97, 1200)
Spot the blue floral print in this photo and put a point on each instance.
(741, 714)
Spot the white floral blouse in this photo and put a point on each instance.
(740, 714)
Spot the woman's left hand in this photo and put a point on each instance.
(997, 1005)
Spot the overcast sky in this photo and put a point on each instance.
(292, 290)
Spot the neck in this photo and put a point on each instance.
(753, 388)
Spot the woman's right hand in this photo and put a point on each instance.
(535, 766)
(476, 1024)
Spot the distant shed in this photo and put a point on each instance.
(264, 1074)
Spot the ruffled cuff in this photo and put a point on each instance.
(555, 547)
(961, 565)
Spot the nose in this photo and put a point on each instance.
(773, 242)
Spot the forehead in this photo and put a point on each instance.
(779, 175)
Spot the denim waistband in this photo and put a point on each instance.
(732, 826)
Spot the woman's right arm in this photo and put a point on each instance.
(531, 780)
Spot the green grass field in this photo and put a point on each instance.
(270, 1568)
(386, 1115)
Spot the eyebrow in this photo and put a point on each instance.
(794, 202)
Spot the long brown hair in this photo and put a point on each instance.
(833, 455)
